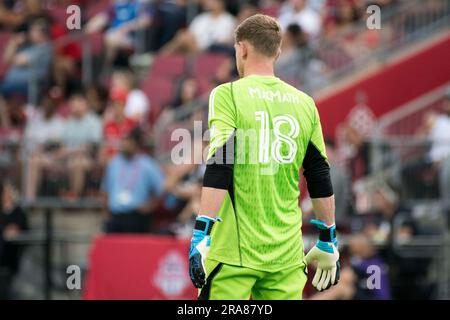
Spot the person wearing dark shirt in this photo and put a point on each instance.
(365, 262)
(13, 221)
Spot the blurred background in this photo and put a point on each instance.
(76, 102)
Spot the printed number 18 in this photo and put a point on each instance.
(280, 138)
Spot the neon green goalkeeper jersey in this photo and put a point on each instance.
(271, 124)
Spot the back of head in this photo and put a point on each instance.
(262, 32)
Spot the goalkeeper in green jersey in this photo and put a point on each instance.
(247, 238)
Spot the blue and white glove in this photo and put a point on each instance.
(200, 244)
(326, 253)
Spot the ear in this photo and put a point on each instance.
(278, 54)
(244, 50)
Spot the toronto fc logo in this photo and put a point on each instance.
(171, 277)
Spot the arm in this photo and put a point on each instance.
(11, 48)
(211, 201)
(97, 23)
(141, 22)
(217, 179)
(324, 209)
(21, 59)
(317, 174)
(219, 170)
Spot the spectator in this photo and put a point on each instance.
(82, 135)
(364, 255)
(17, 15)
(440, 152)
(289, 65)
(13, 221)
(44, 124)
(444, 180)
(116, 125)
(299, 12)
(124, 19)
(225, 72)
(132, 184)
(214, 27)
(137, 105)
(187, 92)
(171, 16)
(68, 146)
(344, 12)
(43, 136)
(341, 184)
(182, 192)
(28, 61)
(97, 97)
(438, 132)
(378, 222)
(425, 170)
(408, 274)
(246, 10)
(359, 128)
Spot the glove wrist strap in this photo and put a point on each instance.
(204, 224)
(327, 235)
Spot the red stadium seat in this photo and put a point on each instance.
(272, 10)
(168, 66)
(205, 65)
(159, 91)
(204, 86)
(155, 112)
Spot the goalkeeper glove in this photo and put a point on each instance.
(326, 254)
(200, 243)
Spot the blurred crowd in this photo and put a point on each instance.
(100, 137)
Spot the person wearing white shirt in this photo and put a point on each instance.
(436, 130)
(299, 12)
(215, 26)
(137, 105)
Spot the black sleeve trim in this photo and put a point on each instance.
(317, 173)
(219, 168)
(218, 176)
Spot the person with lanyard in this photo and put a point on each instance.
(132, 184)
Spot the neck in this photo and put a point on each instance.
(216, 13)
(259, 69)
(129, 156)
(120, 117)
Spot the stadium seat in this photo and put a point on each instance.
(272, 10)
(159, 91)
(155, 112)
(168, 66)
(58, 14)
(205, 65)
(204, 86)
(338, 58)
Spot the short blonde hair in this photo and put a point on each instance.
(262, 32)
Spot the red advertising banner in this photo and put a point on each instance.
(138, 267)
